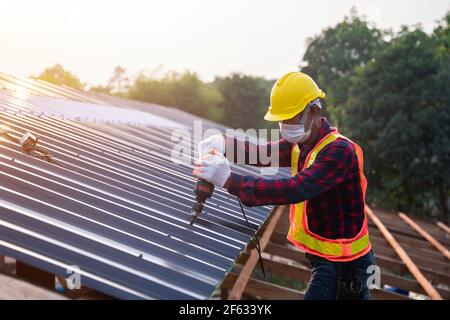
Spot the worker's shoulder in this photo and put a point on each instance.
(341, 142)
(341, 146)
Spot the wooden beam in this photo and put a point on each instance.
(241, 282)
(16, 289)
(421, 262)
(429, 289)
(34, 275)
(282, 269)
(9, 265)
(286, 252)
(397, 265)
(263, 290)
(402, 239)
(2, 262)
(429, 254)
(391, 220)
(425, 234)
(443, 227)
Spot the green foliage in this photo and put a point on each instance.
(332, 56)
(245, 100)
(101, 89)
(57, 75)
(181, 90)
(398, 110)
(119, 82)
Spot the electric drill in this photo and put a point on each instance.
(203, 190)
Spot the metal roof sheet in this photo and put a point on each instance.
(119, 208)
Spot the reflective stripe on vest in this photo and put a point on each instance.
(299, 233)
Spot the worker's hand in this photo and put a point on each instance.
(215, 142)
(214, 168)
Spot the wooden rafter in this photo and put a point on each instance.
(13, 288)
(429, 289)
(247, 270)
(443, 227)
(425, 234)
(263, 289)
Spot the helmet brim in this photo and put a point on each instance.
(269, 116)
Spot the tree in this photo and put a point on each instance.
(245, 100)
(398, 109)
(57, 75)
(331, 57)
(118, 82)
(181, 90)
(100, 89)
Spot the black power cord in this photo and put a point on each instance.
(257, 245)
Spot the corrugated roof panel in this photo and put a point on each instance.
(86, 111)
(119, 209)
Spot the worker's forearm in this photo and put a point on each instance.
(260, 155)
(259, 191)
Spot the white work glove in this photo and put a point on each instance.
(214, 168)
(216, 142)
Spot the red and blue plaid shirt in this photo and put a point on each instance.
(331, 185)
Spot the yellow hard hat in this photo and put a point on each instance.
(290, 95)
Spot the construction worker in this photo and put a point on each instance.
(326, 191)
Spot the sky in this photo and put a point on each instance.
(210, 37)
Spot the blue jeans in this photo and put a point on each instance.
(323, 283)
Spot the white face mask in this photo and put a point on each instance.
(295, 133)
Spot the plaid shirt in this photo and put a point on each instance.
(331, 185)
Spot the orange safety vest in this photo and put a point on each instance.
(345, 249)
